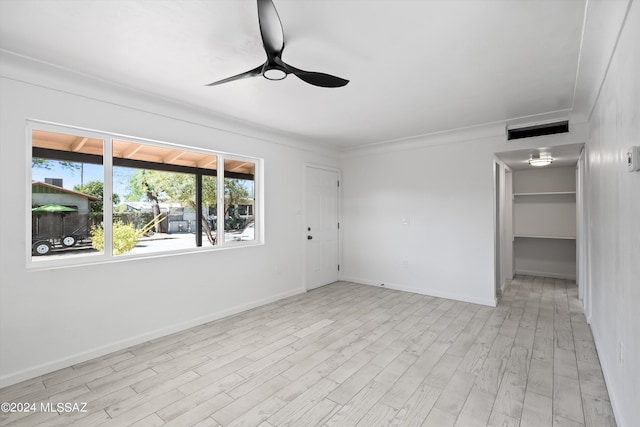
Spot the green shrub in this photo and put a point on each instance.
(125, 238)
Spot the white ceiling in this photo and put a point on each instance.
(416, 67)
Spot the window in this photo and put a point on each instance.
(239, 199)
(67, 181)
(98, 195)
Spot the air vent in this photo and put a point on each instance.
(538, 130)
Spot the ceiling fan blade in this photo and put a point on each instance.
(270, 28)
(247, 74)
(315, 78)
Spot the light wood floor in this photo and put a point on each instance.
(345, 355)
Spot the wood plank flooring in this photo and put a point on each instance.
(348, 355)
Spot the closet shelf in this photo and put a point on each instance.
(531, 236)
(547, 193)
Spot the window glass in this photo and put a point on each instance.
(239, 200)
(67, 193)
(157, 189)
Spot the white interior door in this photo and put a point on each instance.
(322, 226)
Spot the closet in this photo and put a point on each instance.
(544, 222)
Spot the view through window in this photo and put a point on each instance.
(239, 197)
(144, 198)
(67, 183)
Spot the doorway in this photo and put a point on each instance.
(322, 228)
(541, 207)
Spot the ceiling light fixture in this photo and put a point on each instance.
(544, 159)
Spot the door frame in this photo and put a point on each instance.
(303, 234)
(583, 276)
(510, 265)
(502, 226)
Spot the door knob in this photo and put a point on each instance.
(309, 237)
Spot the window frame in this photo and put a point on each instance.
(256, 205)
(107, 161)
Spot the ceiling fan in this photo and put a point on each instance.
(275, 68)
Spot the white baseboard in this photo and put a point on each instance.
(45, 368)
(546, 274)
(491, 302)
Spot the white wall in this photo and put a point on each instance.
(51, 319)
(613, 197)
(545, 180)
(444, 196)
(545, 257)
(545, 215)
